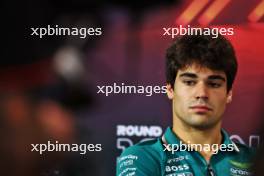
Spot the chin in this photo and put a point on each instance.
(202, 123)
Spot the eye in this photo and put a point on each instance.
(189, 82)
(214, 84)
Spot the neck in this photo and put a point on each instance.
(194, 135)
(198, 136)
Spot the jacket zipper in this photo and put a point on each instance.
(210, 171)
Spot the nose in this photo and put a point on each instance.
(201, 91)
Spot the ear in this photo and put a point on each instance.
(169, 91)
(229, 96)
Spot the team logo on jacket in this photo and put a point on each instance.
(181, 174)
(178, 170)
(185, 174)
(240, 169)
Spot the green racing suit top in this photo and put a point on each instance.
(161, 157)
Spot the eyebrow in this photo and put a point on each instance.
(190, 75)
(211, 77)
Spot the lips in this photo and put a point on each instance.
(201, 108)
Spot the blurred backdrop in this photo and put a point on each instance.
(48, 86)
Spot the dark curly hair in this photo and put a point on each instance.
(213, 53)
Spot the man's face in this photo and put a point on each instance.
(199, 96)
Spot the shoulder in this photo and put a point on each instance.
(143, 158)
(245, 149)
(244, 153)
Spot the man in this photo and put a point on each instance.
(200, 71)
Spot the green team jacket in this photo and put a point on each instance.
(158, 158)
